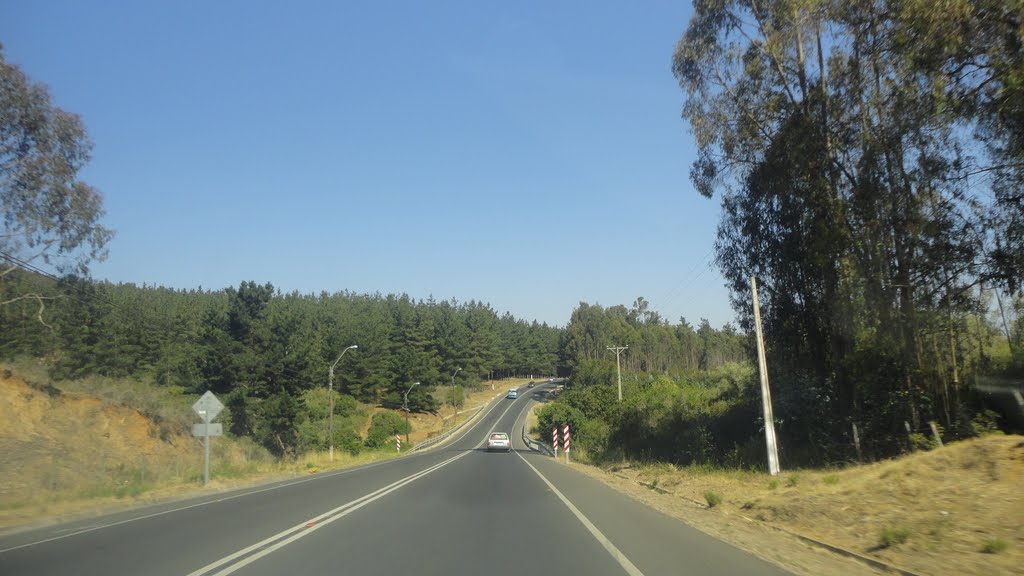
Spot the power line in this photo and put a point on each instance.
(686, 281)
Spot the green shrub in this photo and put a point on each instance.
(995, 546)
(773, 484)
(831, 479)
(712, 498)
(985, 423)
(383, 427)
(892, 536)
(792, 481)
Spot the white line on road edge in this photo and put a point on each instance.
(313, 524)
(86, 529)
(628, 566)
(289, 535)
(285, 484)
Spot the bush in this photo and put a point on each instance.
(383, 428)
(892, 536)
(995, 546)
(985, 423)
(712, 498)
(557, 415)
(831, 479)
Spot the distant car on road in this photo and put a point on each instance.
(499, 441)
(513, 393)
(531, 384)
(551, 379)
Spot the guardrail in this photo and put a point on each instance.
(434, 440)
(534, 445)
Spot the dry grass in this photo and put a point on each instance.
(933, 512)
(76, 448)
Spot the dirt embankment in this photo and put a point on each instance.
(56, 442)
(954, 510)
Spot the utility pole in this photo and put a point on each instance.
(405, 406)
(330, 401)
(618, 367)
(766, 396)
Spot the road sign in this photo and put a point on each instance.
(212, 429)
(210, 404)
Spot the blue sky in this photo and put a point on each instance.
(526, 154)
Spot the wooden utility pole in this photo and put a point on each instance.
(766, 396)
(618, 367)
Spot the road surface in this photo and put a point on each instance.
(453, 510)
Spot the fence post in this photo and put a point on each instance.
(856, 443)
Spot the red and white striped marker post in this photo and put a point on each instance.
(398, 443)
(554, 441)
(565, 441)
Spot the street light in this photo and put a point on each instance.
(454, 408)
(405, 406)
(330, 390)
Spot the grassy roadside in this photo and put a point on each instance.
(74, 449)
(954, 510)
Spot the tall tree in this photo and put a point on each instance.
(843, 190)
(49, 215)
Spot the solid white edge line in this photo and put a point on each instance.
(324, 519)
(198, 504)
(340, 511)
(232, 497)
(249, 493)
(628, 566)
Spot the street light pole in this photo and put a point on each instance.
(618, 368)
(330, 401)
(405, 406)
(455, 409)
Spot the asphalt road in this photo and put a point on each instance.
(453, 510)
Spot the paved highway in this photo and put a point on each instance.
(454, 510)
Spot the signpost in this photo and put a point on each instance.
(208, 407)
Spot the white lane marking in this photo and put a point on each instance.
(333, 515)
(288, 536)
(497, 402)
(510, 406)
(198, 504)
(282, 539)
(628, 566)
(226, 498)
(232, 497)
(520, 417)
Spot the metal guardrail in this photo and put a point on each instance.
(534, 445)
(431, 441)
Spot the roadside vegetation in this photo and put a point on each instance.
(952, 510)
(97, 443)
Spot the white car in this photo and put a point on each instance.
(513, 393)
(499, 441)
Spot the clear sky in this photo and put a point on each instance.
(526, 154)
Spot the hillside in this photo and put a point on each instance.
(66, 443)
